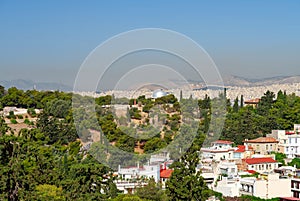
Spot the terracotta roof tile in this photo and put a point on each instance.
(223, 142)
(252, 101)
(166, 173)
(262, 140)
(259, 160)
(242, 148)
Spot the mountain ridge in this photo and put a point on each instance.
(229, 80)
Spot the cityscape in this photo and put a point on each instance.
(150, 101)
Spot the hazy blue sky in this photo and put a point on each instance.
(48, 40)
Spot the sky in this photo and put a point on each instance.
(49, 40)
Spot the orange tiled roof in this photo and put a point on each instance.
(223, 142)
(252, 101)
(242, 148)
(263, 140)
(166, 173)
(259, 160)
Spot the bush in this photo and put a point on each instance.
(26, 121)
(31, 112)
(20, 116)
(13, 121)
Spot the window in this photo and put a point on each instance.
(267, 147)
(295, 140)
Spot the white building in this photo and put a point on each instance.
(227, 168)
(228, 187)
(293, 147)
(261, 165)
(136, 172)
(266, 188)
(289, 141)
(220, 150)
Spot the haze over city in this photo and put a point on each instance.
(48, 41)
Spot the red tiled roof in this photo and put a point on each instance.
(251, 171)
(259, 160)
(242, 148)
(222, 142)
(290, 132)
(262, 140)
(166, 173)
(290, 198)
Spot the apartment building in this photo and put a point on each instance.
(261, 165)
(269, 187)
(263, 145)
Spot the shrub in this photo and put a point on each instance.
(20, 116)
(26, 121)
(13, 121)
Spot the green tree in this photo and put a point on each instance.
(236, 105)
(266, 102)
(47, 192)
(152, 191)
(185, 183)
(295, 162)
(280, 157)
(2, 91)
(154, 144)
(242, 101)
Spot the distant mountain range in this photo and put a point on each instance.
(231, 80)
(28, 84)
(241, 81)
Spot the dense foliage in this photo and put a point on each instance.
(248, 122)
(46, 160)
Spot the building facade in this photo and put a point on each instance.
(263, 145)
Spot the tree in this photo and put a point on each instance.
(280, 157)
(150, 192)
(242, 101)
(266, 102)
(180, 96)
(46, 192)
(185, 183)
(154, 144)
(236, 105)
(58, 108)
(295, 162)
(3, 127)
(2, 90)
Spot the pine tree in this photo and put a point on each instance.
(185, 183)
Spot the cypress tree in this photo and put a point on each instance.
(242, 101)
(236, 105)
